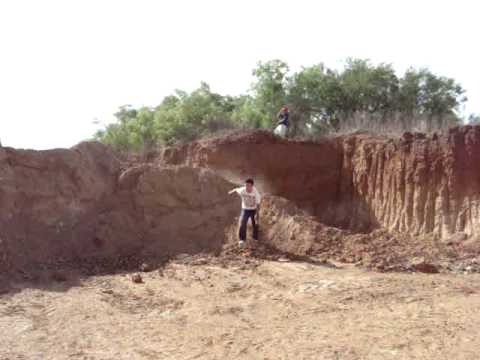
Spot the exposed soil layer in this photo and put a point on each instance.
(415, 185)
(389, 204)
(305, 172)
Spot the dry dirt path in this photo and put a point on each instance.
(276, 310)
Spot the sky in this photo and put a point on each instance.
(67, 64)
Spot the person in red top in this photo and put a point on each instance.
(250, 205)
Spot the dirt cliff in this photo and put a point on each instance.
(415, 184)
(304, 172)
(358, 198)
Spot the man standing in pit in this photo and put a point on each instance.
(250, 206)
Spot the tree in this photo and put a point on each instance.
(321, 100)
(315, 96)
(440, 98)
(121, 134)
(370, 94)
(269, 90)
(409, 99)
(429, 99)
(180, 117)
(247, 114)
(185, 117)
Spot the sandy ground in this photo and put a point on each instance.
(246, 310)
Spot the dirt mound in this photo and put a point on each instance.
(176, 209)
(69, 205)
(287, 231)
(50, 200)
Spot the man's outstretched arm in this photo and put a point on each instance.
(233, 191)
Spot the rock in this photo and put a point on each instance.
(421, 265)
(407, 136)
(137, 278)
(145, 267)
(199, 261)
(471, 245)
(59, 276)
(456, 239)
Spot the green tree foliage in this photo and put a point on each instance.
(316, 98)
(180, 117)
(184, 117)
(321, 100)
(363, 96)
(269, 90)
(425, 95)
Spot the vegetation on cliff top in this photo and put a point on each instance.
(362, 95)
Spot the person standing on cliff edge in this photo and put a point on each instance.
(250, 207)
(283, 122)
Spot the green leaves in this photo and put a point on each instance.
(180, 117)
(269, 89)
(321, 100)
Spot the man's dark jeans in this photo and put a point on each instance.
(244, 216)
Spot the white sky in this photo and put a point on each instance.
(64, 63)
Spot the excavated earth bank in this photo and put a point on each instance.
(416, 184)
(382, 202)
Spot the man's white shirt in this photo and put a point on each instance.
(250, 200)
